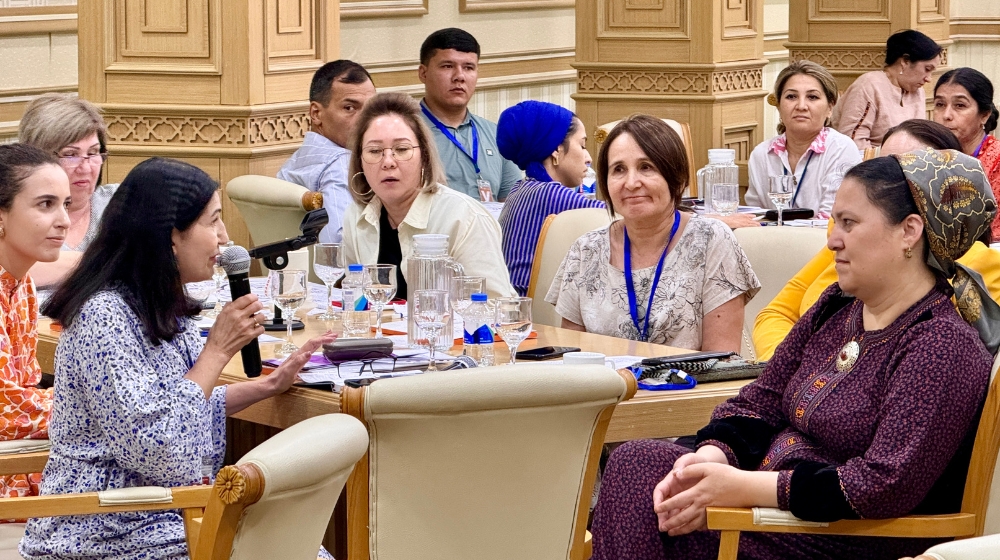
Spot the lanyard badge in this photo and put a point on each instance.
(630, 285)
(484, 187)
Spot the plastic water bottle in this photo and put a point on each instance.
(478, 336)
(357, 319)
(589, 186)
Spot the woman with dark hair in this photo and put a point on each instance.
(136, 402)
(775, 321)
(815, 155)
(656, 274)
(879, 100)
(34, 194)
(860, 413)
(549, 143)
(963, 102)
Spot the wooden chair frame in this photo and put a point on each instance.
(967, 523)
(353, 403)
(211, 513)
(536, 265)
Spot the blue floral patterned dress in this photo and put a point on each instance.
(123, 416)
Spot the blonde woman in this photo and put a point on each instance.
(73, 130)
(397, 186)
(806, 148)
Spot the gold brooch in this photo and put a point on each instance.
(848, 355)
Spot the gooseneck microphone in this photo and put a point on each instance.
(235, 261)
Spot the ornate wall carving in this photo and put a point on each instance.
(847, 57)
(208, 131)
(668, 82)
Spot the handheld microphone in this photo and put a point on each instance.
(235, 261)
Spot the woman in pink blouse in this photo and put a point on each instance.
(879, 100)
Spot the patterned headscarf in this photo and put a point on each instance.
(957, 204)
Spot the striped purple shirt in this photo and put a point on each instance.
(524, 212)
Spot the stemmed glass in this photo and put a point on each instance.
(431, 311)
(513, 321)
(380, 289)
(218, 276)
(462, 288)
(328, 262)
(287, 289)
(780, 190)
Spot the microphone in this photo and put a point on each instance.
(235, 261)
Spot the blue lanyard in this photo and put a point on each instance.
(630, 286)
(474, 156)
(800, 180)
(975, 154)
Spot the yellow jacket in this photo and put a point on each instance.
(775, 321)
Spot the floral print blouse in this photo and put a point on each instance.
(25, 407)
(125, 416)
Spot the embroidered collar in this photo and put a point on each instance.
(818, 146)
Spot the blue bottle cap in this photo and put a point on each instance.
(478, 297)
(355, 267)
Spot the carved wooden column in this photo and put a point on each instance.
(695, 61)
(222, 84)
(848, 36)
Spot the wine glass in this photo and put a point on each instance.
(287, 289)
(462, 288)
(513, 321)
(328, 263)
(780, 190)
(380, 289)
(431, 311)
(218, 276)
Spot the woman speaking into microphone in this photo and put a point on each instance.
(136, 402)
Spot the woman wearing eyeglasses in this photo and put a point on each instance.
(397, 183)
(73, 130)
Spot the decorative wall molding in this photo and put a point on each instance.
(362, 9)
(859, 58)
(214, 127)
(975, 28)
(36, 19)
(471, 6)
(645, 81)
(403, 73)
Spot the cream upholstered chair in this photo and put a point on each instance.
(776, 254)
(682, 129)
(979, 515)
(979, 548)
(487, 465)
(19, 456)
(559, 232)
(276, 502)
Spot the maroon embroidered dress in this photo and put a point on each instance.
(890, 436)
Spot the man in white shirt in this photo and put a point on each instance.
(339, 89)
(467, 143)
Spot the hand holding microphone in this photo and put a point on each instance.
(239, 324)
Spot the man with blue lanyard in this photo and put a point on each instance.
(449, 68)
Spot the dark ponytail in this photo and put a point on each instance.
(991, 123)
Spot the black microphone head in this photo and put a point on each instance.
(235, 260)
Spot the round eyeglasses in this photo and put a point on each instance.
(402, 152)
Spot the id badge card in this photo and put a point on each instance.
(485, 190)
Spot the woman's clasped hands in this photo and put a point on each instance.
(705, 479)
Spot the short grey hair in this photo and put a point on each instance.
(55, 120)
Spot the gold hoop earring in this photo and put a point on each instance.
(350, 185)
(909, 253)
(555, 162)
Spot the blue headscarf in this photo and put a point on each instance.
(529, 132)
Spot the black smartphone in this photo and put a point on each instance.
(790, 214)
(690, 357)
(360, 382)
(545, 353)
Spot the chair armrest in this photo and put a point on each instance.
(943, 526)
(967, 549)
(19, 446)
(22, 463)
(89, 503)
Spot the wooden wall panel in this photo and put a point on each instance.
(361, 9)
(165, 36)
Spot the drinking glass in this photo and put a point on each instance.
(218, 276)
(780, 190)
(513, 321)
(431, 311)
(287, 289)
(380, 289)
(328, 262)
(725, 198)
(462, 288)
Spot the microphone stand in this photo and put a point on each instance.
(275, 257)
